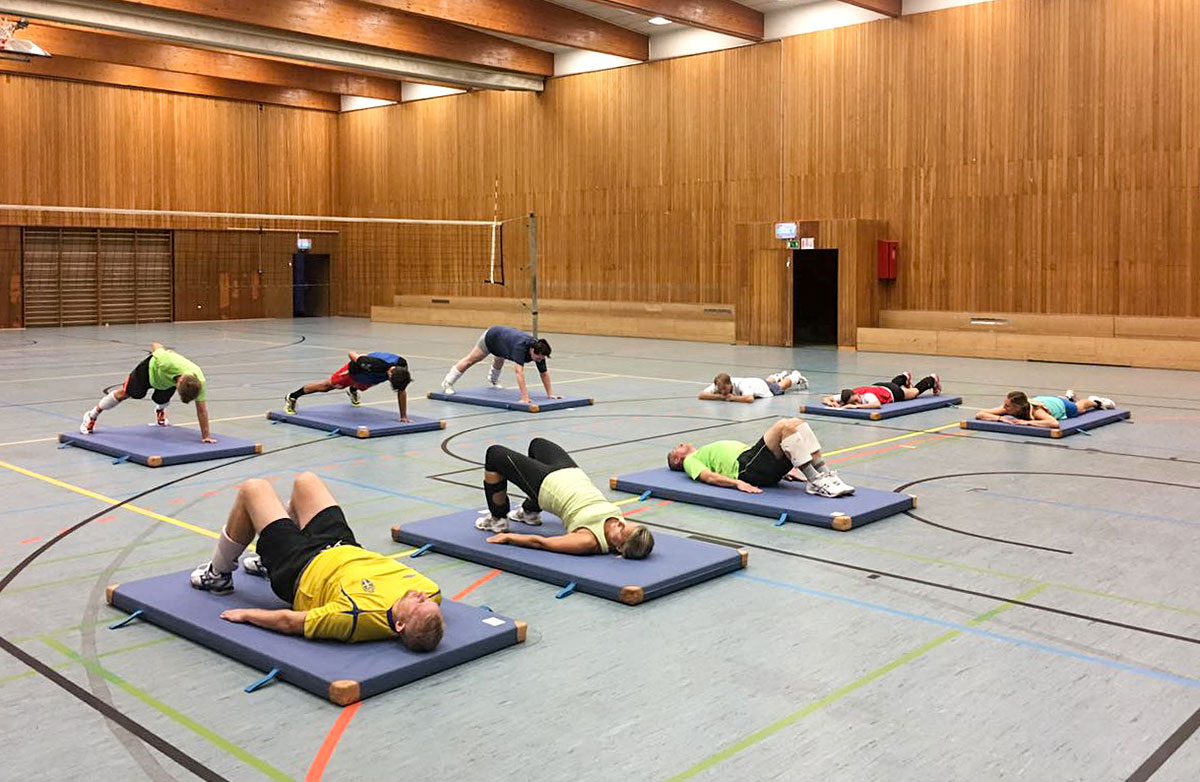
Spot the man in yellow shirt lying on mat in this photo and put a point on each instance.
(551, 480)
(337, 589)
(787, 450)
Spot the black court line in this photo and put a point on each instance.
(107, 710)
(1004, 541)
(935, 584)
(1168, 748)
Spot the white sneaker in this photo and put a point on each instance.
(1069, 394)
(799, 381)
(1104, 402)
(828, 485)
(519, 515)
(494, 379)
(489, 524)
(204, 578)
(447, 387)
(89, 423)
(253, 565)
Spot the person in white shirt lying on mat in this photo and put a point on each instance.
(551, 480)
(746, 389)
(165, 372)
(884, 392)
(338, 590)
(1044, 411)
(363, 371)
(788, 450)
(504, 343)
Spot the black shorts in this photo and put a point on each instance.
(286, 549)
(757, 466)
(897, 391)
(137, 385)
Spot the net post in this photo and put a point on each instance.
(533, 271)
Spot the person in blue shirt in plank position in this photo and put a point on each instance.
(359, 374)
(504, 343)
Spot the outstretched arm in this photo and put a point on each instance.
(725, 482)
(991, 414)
(831, 401)
(281, 620)
(402, 401)
(546, 383)
(520, 370)
(202, 418)
(580, 542)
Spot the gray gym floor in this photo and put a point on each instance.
(887, 652)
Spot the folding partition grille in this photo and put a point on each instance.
(95, 276)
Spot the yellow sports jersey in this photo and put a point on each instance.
(349, 592)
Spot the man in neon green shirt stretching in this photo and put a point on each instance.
(166, 372)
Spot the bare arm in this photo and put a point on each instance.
(155, 346)
(831, 401)
(578, 542)
(725, 482)
(402, 401)
(520, 370)
(202, 418)
(1043, 419)
(353, 356)
(991, 414)
(712, 397)
(546, 383)
(282, 620)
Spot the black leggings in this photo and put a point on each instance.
(527, 472)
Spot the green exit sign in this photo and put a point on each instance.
(793, 244)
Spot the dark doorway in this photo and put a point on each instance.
(310, 285)
(814, 297)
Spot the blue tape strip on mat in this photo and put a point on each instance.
(170, 602)
(355, 421)
(894, 410)
(162, 444)
(862, 507)
(675, 562)
(506, 398)
(1082, 423)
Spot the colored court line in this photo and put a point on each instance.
(105, 499)
(477, 583)
(180, 718)
(843, 691)
(110, 653)
(392, 492)
(317, 769)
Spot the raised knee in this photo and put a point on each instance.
(255, 486)
(307, 478)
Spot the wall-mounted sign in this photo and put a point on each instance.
(303, 245)
(808, 243)
(785, 230)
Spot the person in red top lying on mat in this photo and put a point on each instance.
(551, 480)
(788, 450)
(504, 343)
(884, 392)
(1044, 411)
(337, 590)
(363, 371)
(166, 372)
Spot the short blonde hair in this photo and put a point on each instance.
(189, 388)
(639, 544)
(424, 633)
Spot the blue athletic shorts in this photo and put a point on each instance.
(775, 389)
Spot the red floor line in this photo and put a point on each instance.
(30, 540)
(331, 741)
(476, 585)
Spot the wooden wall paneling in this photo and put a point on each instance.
(10, 277)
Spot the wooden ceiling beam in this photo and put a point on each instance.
(719, 16)
(538, 20)
(168, 81)
(371, 25)
(124, 50)
(886, 7)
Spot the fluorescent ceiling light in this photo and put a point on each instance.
(658, 20)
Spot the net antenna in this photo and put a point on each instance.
(17, 49)
(496, 224)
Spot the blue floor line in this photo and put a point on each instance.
(966, 629)
(1092, 508)
(397, 493)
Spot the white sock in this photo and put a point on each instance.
(108, 402)
(452, 376)
(795, 376)
(225, 557)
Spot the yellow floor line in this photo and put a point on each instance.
(108, 500)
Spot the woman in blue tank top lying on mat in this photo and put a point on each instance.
(1043, 411)
(551, 480)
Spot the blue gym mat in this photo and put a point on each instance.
(355, 421)
(787, 501)
(157, 446)
(893, 410)
(675, 562)
(506, 398)
(342, 672)
(1081, 423)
